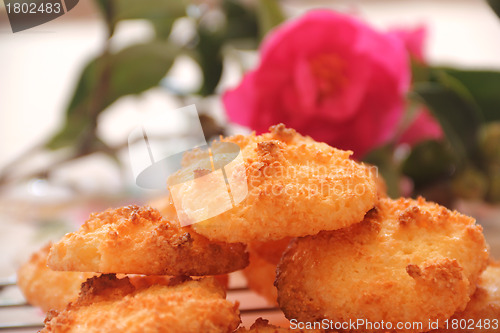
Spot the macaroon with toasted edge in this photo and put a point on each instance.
(108, 304)
(408, 261)
(139, 240)
(45, 288)
(482, 314)
(296, 187)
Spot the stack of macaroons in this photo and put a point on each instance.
(324, 243)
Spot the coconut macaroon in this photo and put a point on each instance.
(46, 288)
(53, 290)
(271, 251)
(482, 314)
(408, 261)
(260, 276)
(284, 185)
(139, 240)
(108, 304)
(261, 272)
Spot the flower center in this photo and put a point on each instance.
(328, 69)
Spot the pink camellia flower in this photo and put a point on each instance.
(413, 40)
(425, 126)
(329, 76)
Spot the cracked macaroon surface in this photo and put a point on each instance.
(407, 261)
(482, 314)
(108, 304)
(296, 187)
(139, 240)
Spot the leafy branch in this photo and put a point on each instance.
(137, 68)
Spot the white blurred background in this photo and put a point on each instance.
(39, 66)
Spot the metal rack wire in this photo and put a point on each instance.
(30, 319)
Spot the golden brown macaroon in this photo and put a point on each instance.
(138, 240)
(296, 187)
(261, 272)
(482, 314)
(260, 276)
(271, 251)
(46, 288)
(408, 261)
(263, 326)
(108, 304)
(53, 290)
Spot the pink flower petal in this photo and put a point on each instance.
(327, 75)
(424, 127)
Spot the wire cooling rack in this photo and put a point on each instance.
(17, 316)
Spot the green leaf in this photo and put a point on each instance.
(458, 116)
(270, 15)
(69, 134)
(241, 24)
(489, 144)
(106, 79)
(420, 72)
(148, 9)
(428, 161)
(209, 57)
(160, 12)
(86, 85)
(495, 5)
(484, 87)
(470, 183)
(78, 120)
(494, 186)
(163, 27)
(241, 21)
(140, 67)
(106, 7)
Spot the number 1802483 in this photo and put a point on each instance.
(471, 324)
(34, 8)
